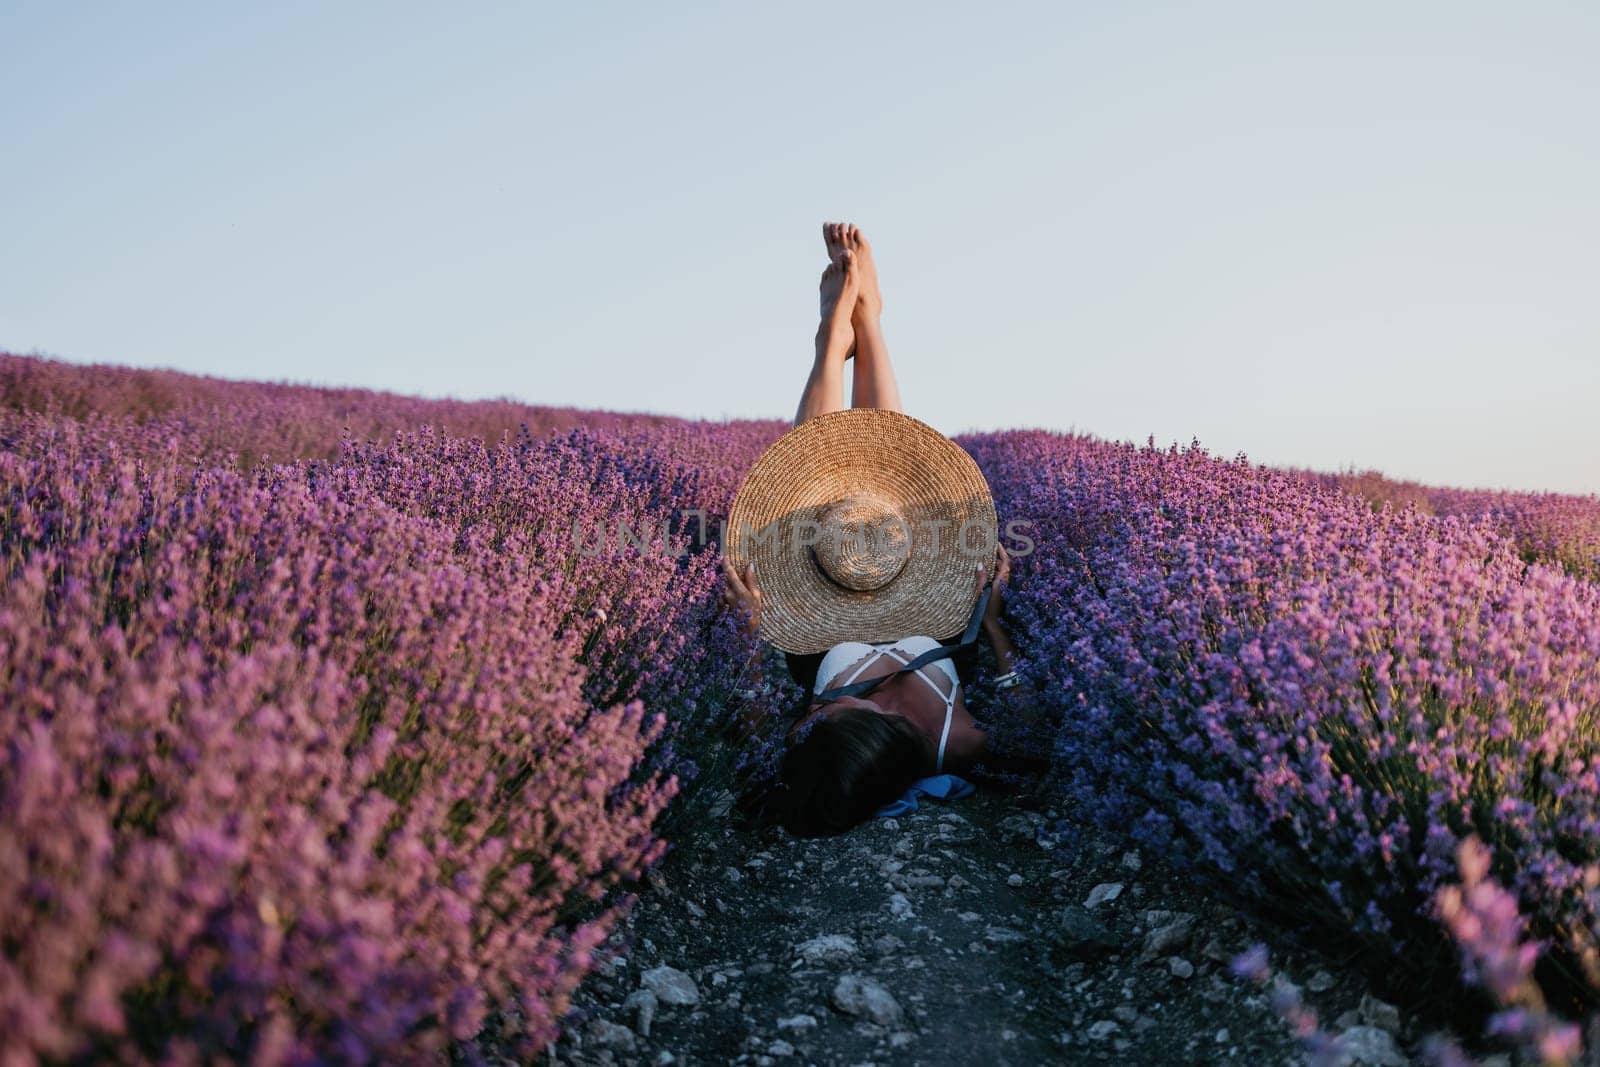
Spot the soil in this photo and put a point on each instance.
(965, 932)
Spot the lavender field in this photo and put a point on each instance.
(333, 730)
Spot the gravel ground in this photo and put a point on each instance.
(958, 934)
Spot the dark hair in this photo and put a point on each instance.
(841, 770)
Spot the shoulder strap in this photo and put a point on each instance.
(970, 637)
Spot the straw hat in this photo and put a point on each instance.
(864, 525)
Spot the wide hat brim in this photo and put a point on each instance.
(863, 525)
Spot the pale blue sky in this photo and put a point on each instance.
(1359, 234)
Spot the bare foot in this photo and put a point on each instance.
(839, 236)
(833, 238)
(841, 282)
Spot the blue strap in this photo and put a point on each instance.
(970, 637)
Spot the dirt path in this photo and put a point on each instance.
(953, 935)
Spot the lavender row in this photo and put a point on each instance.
(1311, 702)
(1559, 528)
(213, 418)
(329, 760)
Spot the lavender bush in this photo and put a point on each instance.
(324, 759)
(1311, 701)
(1489, 931)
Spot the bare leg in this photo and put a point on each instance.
(873, 385)
(824, 391)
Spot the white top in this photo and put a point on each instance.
(846, 652)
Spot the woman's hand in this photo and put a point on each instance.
(1002, 575)
(741, 594)
(1004, 651)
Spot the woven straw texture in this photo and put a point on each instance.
(864, 525)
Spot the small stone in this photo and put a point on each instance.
(829, 948)
(1013, 879)
(1102, 893)
(670, 985)
(1383, 1015)
(856, 994)
(1126, 1013)
(780, 1047)
(664, 1057)
(925, 881)
(1103, 1029)
(1083, 937)
(1168, 930)
(643, 1004)
(1144, 1024)
(955, 881)
(1368, 1046)
(1222, 1036)
(604, 1033)
(887, 944)
(798, 1023)
(1131, 861)
(900, 906)
(733, 874)
(1347, 1019)
(1180, 967)
(968, 916)
(1320, 982)
(1003, 935)
(1018, 825)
